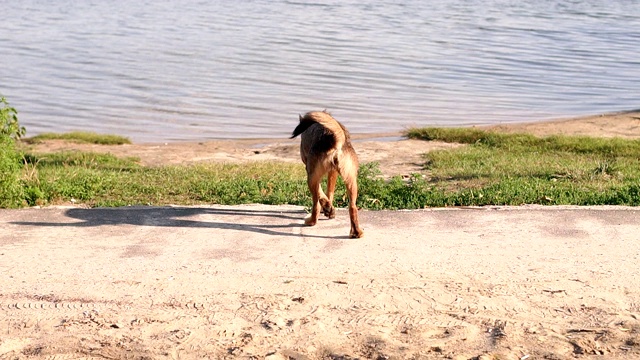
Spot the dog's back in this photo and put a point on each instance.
(323, 135)
(323, 118)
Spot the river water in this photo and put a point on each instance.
(195, 70)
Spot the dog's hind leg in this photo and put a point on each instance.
(313, 180)
(351, 183)
(327, 200)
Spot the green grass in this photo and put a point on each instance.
(493, 169)
(80, 137)
(104, 180)
(80, 159)
(516, 169)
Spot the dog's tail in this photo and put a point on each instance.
(325, 119)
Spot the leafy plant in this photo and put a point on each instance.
(10, 168)
(9, 125)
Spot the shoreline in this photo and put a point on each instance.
(526, 126)
(624, 124)
(395, 154)
(537, 127)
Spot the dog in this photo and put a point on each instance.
(325, 149)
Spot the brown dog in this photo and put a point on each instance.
(326, 149)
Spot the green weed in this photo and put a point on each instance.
(9, 125)
(80, 137)
(11, 191)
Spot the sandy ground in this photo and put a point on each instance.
(252, 282)
(396, 155)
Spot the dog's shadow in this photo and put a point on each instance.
(180, 217)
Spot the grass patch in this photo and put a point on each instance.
(80, 137)
(104, 180)
(80, 159)
(494, 169)
(516, 169)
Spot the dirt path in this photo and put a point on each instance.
(251, 282)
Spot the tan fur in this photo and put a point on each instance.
(325, 149)
(325, 119)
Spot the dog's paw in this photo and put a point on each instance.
(309, 220)
(329, 212)
(356, 234)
